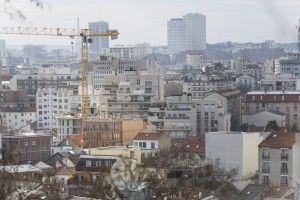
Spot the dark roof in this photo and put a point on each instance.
(277, 191)
(279, 140)
(251, 191)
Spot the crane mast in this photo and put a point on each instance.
(84, 34)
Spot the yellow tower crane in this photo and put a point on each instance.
(84, 34)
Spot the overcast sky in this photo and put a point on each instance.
(146, 20)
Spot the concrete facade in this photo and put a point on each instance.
(129, 95)
(278, 161)
(51, 102)
(230, 150)
(286, 102)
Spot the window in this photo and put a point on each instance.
(144, 145)
(284, 167)
(88, 163)
(265, 167)
(26, 143)
(152, 145)
(265, 179)
(33, 143)
(284, 154)
(98, 163)
(266, 154)
(284, 180)
(108, 164)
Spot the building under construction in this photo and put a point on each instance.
(111, 132)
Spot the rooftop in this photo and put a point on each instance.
(76, 138)
(279, 140)
(191, 145)
(21, 168)
(277, 191)
(147, 136)
(251, 191)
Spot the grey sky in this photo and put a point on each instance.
(146, 20)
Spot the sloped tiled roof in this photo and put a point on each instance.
(147, 136)
(76, 138)
(279, 140)
(277, 191)
(190, 145)
(251, 191)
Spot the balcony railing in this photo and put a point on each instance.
(265, 169)
(265, 157)
(284, 156)
(177, 117)
(284, 170)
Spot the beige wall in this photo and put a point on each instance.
(130, 128)
(118, 151)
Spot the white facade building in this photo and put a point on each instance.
(231, 151)
(187, 33)
(18, 119)
(195, 24)
(176, 36)
(49, 103)
(98, 43)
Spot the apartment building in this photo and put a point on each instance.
(108, 65)
(246, 83)
(231, 100)
(230, 150)
(290, 64)
(180, 116)
(27, 147)
(111, 132)
(16, 99)
(278, 163)
(286, 102)
(50, 102)
(254, 70)
(68, 124)
(284, 81)
(18, 119)
(31, 79)
(129, 95)
(201, 85)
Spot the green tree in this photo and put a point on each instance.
(294, 128)
(271, 126)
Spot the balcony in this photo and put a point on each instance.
(184, 128)
(266, 156)
(265, 169)
(284, 156)
(177, 117)
(179, 109)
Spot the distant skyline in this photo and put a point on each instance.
(141, 21)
